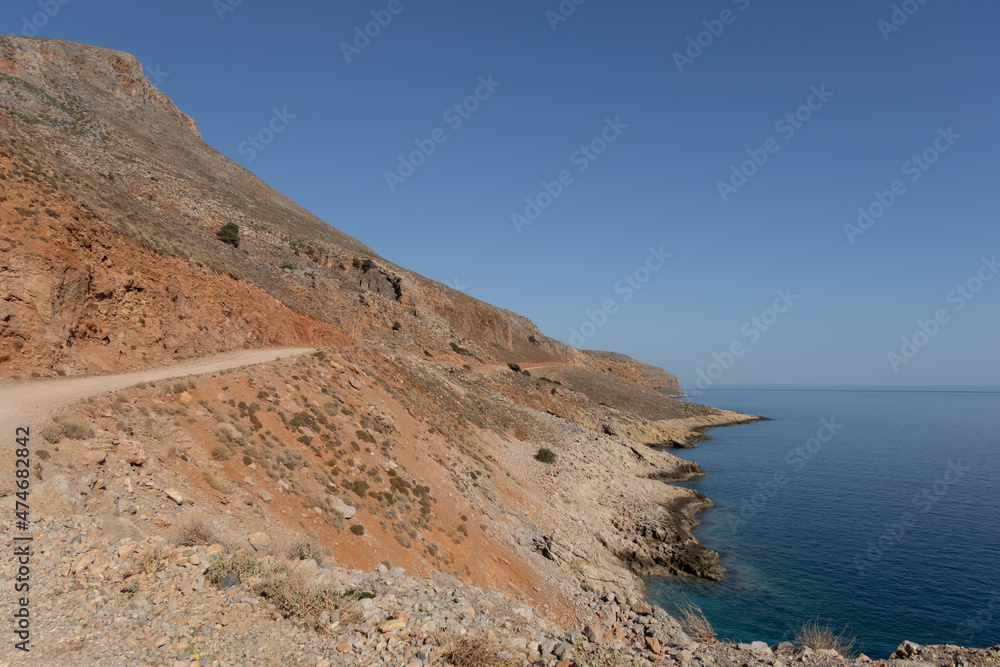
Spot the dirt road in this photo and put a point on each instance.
(29, 403)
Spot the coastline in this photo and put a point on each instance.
(695, 429)
(628, 522)
(735, 603)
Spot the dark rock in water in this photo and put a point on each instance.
(230, 580)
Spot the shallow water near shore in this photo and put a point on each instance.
(874, 509)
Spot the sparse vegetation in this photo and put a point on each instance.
(239, 563)
(51, 433)
(147, 562)
(694, 623)
(229, 234)
(61, 427)
(818, 636)
(599, 655)
(306, 548)
(514, 367)
(476, 651)
(358, 529)
(545, 455)
(213, 482)
(460, 350)
(195, 532)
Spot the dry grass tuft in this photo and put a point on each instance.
(294, 595)
(600, 655)
(196, 532)
(147, 561)
(694, 623)
(306, 548)
(213, 481)
(275, 579)
(64, 427)
(818, 636)
(476, 651)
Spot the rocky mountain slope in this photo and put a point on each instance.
(423, 430)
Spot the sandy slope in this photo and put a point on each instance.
(26, 404)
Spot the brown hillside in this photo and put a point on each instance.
(418, 445)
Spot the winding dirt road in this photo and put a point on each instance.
(28, 403)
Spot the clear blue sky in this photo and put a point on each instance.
(655, 185)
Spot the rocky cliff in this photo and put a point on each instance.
(636, 371)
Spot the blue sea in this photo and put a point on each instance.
(877, 510)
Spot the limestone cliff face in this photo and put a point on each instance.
(627, 368)
(118, 76)
(659, 378)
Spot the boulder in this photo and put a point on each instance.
(130, 452)
(260, 540)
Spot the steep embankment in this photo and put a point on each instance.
(31, 402)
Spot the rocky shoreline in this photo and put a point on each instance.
(114, 598)
(642, 525)
(685, 556)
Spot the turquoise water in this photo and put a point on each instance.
(874, 509)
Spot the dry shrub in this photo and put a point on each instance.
(600, 655)
(351, 612)
(195, 532)
(213, 482)
(64, 427)
(147, 561)
(287, 588)
(694, 623)
(818, 636)
(476, 651)
(294, 595)
(306, 548)
(238, 562)
(52, 433)
(75, 430)
(335, 519)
